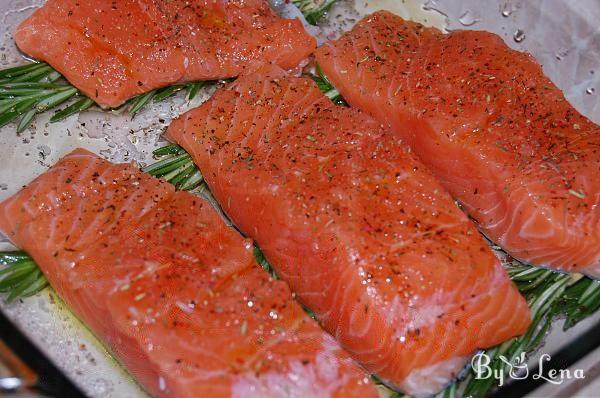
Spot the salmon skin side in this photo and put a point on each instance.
(174, 293)
(356, 225)
(498, 134)
(115, 50)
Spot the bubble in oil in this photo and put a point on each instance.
(468, 18)
(519, 35)
(506, 10)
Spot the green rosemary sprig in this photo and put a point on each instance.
(26, 99)
(20, 276)
(28, 90)
(39, 72)
(579, 301)
(175, 166)
(138, 103)
(78, 106)
(262, 261)
(327, 88)
(313, 10)
(34, 88)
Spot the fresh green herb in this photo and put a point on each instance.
(313, 10)
(193, 89)
(136, 104)
(171, 149)
(327, 88)
(20, 276)
(580, 300)
(166, 92)
(27, 99)
(36, 72)
(176, 166)
(76, 107)
(28, 90)
(262, 261)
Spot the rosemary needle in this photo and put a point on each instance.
(327, 88)
(313, 10)
(76, 107)
(194, 89)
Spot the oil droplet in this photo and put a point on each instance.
(590, 90)
(519, 35)
(468, 19)
(508, 8)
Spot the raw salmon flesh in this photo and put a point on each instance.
(174, 293)
(496, 132)
(115, 50)
(353, 221)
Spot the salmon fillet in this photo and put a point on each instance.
(174, 293)
(115, 50)
(497, 133)
(356, 225)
